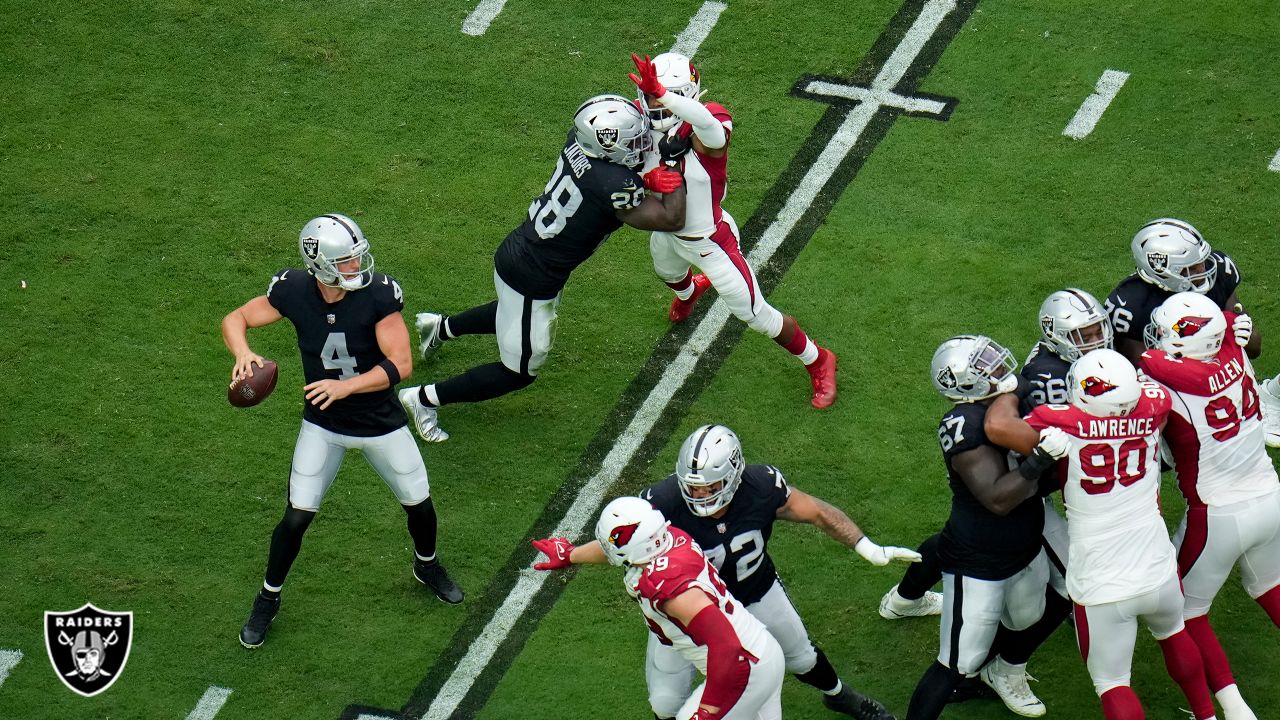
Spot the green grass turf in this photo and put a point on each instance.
(159, 159)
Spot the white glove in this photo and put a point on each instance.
(1243, 329)
(878, 555)
(1054, 442)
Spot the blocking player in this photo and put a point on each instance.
(695, 138)
(1233, 495)
(355, 348)
(1122, 566)
(994, 569)
(594, 190)
(686, 607)
(729, 509)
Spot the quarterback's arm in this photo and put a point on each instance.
(983, 472)
(728, 669)
(1006, 428)
(393, 341)
(653, 213)
(255, 313)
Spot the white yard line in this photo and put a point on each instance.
(1096, 104)
(367, 716)
(688, 42)
(210, 703)
(8, 659)
(1275, 163)
(478, 21)
(582, 512)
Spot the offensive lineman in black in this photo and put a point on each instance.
(994, 568)
(355, 348)
(729, 508)
(594, 190)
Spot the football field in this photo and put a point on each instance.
(902, 171)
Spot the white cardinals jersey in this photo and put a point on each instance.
(706, 178)
(1119, 546)
(1215, 432)
(672, 573)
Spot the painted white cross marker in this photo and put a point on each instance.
(1096, 104)
(1275, 163)
(8, 659)
(478, 21)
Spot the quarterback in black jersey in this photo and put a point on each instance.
(355, 348)
(994, 569)
(593, 191)
(1171, 257)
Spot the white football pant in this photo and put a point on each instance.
(1212, 540)
(973, 609)
(526, 328)
(760, 700)
(1106, 633)
(319, 453)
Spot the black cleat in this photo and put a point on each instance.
(433, 575)
(850, 702)
(260, 618)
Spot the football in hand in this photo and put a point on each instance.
(249, 391)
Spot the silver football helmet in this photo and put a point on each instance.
(1173, 255)
(968, 368)
(709, 469)
(631, 532)
(332, 240)
(1104, 384)
(1187, 325)
(678, 75)
(1073, 322)
(612, 128)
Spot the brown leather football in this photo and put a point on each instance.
(249, 391)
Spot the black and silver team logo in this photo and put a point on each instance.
(331, 318)
(1046, 324)
(1158, 261)
(88, 647)
(947, 378)
(607, 137)
(310, 246)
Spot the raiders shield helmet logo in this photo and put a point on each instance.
(310, 246)
(607, 137)
(947, 378)
(88, 647)
(1046, 325)
(1158, 261)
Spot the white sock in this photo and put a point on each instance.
(1233, 705)
(809, 355)
(432, 396)
(835, 690)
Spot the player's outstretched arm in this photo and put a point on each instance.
(235, 326)
(1006, 428)
(706, 127)
(561, 553)
(802, 507)
(654, 213)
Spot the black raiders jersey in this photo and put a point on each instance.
(1130, 305)
(737, 542)
(570, 219)
(975, 541)
(339, 341)
(1047, 374)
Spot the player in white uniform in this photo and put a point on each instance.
(1215, 433)
(695, 138)
(687, 606)
(1122, 566)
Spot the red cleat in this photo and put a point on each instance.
(823, 374)
(682, 309)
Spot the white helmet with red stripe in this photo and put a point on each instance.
(1188, 325)
(631, 532)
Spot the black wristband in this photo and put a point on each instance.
(393, 373)
(1035, 465)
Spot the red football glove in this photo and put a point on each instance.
(661, 180)
(705, 714)
(647, 81)
(557, 551)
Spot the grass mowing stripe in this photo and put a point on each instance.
(519, 598)
(210, 703)
(1086, 118)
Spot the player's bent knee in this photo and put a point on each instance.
(767, 321)
(665, 705)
